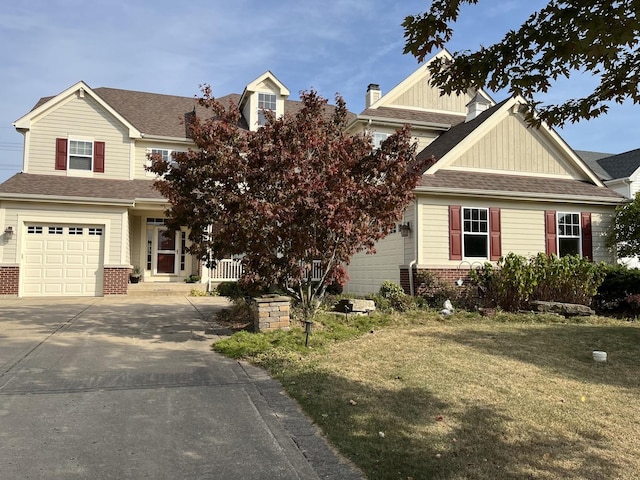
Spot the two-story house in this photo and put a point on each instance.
(83, 211)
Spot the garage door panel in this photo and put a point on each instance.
(57, 262)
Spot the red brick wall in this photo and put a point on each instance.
(446, 274)
(116, 280)
(9, 280)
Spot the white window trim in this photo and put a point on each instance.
(262, 108)
(150, 150)
(91, 156)
(559, 236)
(378, 138)
(485, 234)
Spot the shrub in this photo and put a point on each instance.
(192, 279)
(434, 290)
(515, 281)
(619, 283)
(395, 296)
(231, 290)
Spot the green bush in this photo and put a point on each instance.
(514, 281)
(231, 290)
(434, 291)
(395, 297)
(192, 279)
(620, 282)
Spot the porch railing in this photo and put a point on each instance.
(229, 270)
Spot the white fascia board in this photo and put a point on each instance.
(66, 200)
(537, 197)
(370, 120)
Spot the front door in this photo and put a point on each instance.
(166, 251)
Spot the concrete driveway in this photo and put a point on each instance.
(128, 388)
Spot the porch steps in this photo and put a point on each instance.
(165, 289)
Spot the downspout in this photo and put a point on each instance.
(415, 251)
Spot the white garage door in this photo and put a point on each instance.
(62, 260)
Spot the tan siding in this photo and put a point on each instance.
(422, 95)
(512, 147)
(142, 147)
(82, 118)
(110, 217)
(522, 227)
(367, 272)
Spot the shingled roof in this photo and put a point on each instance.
(412, 116)
(458, 180)
(622, 165)
(60, 187)
(164, 115)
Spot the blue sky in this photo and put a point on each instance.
(171, 47)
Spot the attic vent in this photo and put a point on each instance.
(81, 93)
(373, 95)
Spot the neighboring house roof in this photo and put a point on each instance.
(591, 159)
(623, 165)
(164, 115)
(450, 181)
(26, 185)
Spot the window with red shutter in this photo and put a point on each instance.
(550, 243)
(455, 233)
(495, 237)
(61, 153)
(587, 237)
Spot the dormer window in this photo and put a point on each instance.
(266, 101)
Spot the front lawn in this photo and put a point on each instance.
(420, 397)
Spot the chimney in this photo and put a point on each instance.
(373, 95)
(476, 106)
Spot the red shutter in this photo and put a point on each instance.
(98, 157)
(61, 153)
(455, 233)
(495, 240)
(551, 246)
(587, 237)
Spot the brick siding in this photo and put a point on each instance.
(446, 274)
(9, 280)
(116, 280)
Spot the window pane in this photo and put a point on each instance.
(568, 246)
(475, 246)
(80, 163)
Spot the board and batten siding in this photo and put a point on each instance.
(367, 272)
(82, 119)
(522, 228)
(422, 95)
(511, 146)
(115, 229)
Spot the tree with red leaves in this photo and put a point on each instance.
(296, 191)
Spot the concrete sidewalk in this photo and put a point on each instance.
(129, 388)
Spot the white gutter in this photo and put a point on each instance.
(74, 200)
(543, 197)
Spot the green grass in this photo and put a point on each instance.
(515, 396)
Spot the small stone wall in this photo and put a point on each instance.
(116, 280)
(9, 279)
(271, 313)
